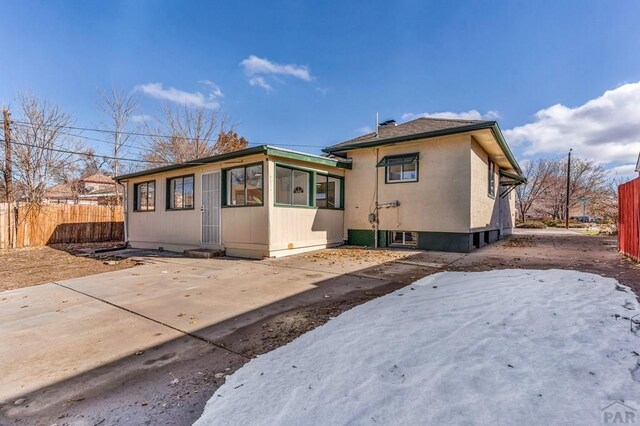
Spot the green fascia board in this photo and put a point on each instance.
(515, 177)
(493, 125)
(309, 158)
(497, 133)
(407, 138)
(261, 149)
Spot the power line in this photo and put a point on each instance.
(122, 145)
(152, 135)
(85, 154)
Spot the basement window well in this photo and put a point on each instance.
(403, 239)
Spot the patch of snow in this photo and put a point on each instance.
(499, 347)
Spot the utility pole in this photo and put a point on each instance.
(566, 207)
(8, 176)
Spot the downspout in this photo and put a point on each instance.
(376, 223)
(125, 202)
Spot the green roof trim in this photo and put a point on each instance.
(493, 125)
(517, 178)
(261, 149)
(395, 160)
(310, 158)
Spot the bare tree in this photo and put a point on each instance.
(190, 133)
(588, 179)
(604, 203)
(539, 176)
(43, 150)
(118, 106)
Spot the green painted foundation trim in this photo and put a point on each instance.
(440, 241)
(360, 237)
(446, 241)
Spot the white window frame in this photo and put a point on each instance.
(404, 239)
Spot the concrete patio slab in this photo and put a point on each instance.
(50, 334)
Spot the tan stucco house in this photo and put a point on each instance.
(429, 183)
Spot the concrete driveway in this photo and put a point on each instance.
(151, 344)
(61, 334)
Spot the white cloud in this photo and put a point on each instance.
(625, 171)
(257, 68)
(215, 91)
(472, 114)
(260, 82)
(605, 129)
(194, 99)
(364, 130)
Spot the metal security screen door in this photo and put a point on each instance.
(211, 208)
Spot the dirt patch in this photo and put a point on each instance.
(81, 248)
(527, 241)
(362, 254)
(31, 266)
(278, 330)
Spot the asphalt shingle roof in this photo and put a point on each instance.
(415, 127)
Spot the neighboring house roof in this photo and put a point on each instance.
(424, 128)
(99, 178)
(261, 149)
(62, 190)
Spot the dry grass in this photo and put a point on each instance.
(362, 254)
(31, 266)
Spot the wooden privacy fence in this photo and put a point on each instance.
(23, 225)
(629, 225)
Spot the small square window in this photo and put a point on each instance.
(244, 186)
(403, 239)
(400, 168)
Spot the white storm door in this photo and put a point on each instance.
(211, 208)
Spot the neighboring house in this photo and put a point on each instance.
(429, 183)
(97, 189)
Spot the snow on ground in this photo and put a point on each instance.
(498, 347)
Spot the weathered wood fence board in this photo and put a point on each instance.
(629, 219)
(35, 226)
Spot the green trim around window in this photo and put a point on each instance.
(341, 179)
(224, 187)
(168, 193)
(312, 185)
(491, 178)
(416, 158)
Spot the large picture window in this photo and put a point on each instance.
(244, 186)
(400, 168)
(292, 186)
(328, 192)
(492, 178)
(180, 193)
(144, 196)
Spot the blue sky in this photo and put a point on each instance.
(315, 73)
